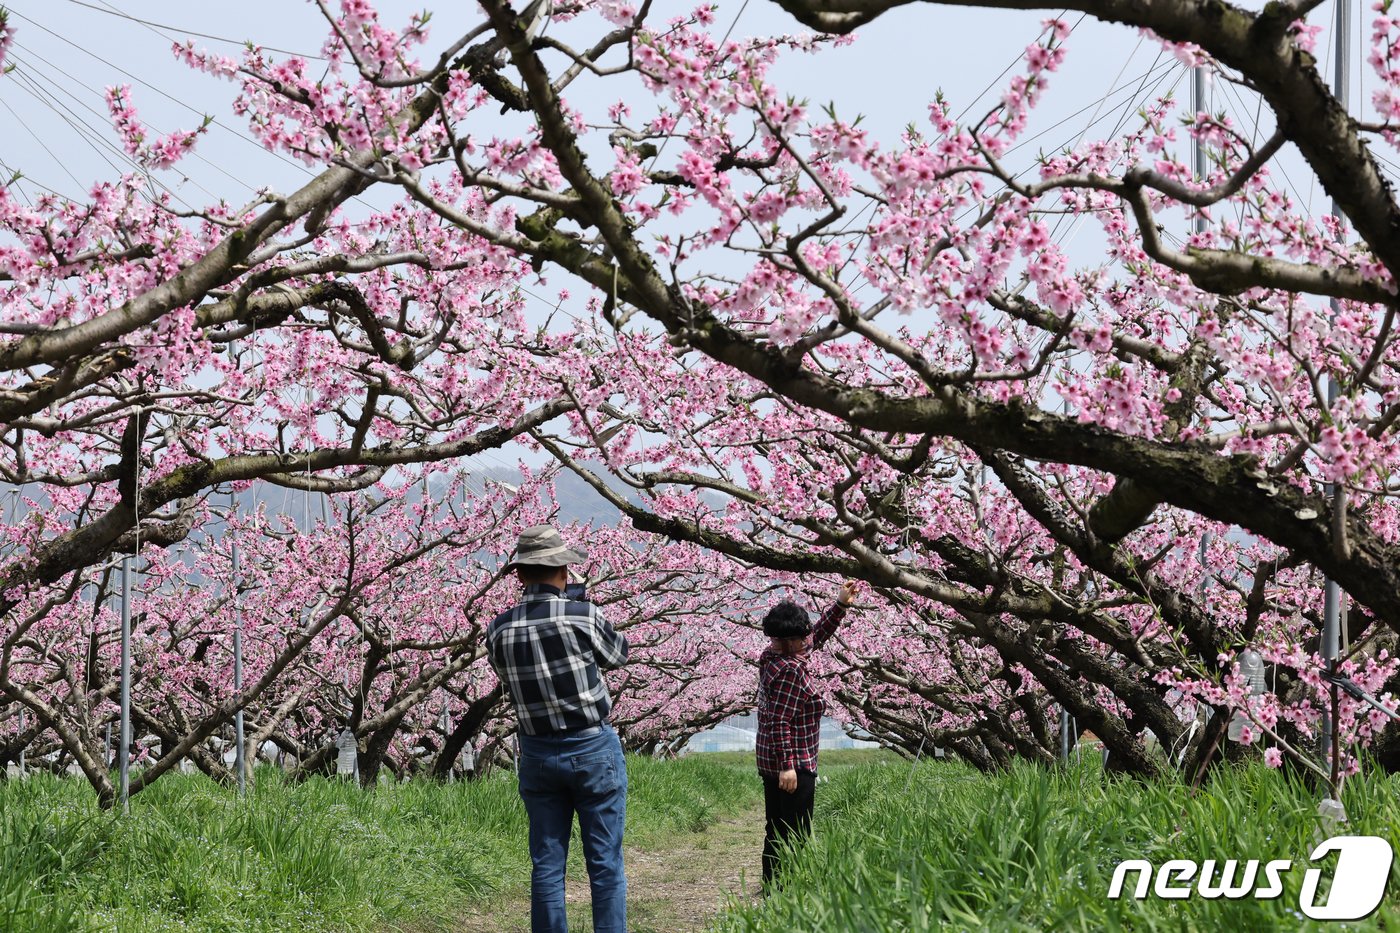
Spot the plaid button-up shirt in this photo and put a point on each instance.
(549, 652)
(789, 707)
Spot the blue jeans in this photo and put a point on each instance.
(558, 776)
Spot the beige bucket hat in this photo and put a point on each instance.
(542, 546)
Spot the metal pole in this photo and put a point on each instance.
(15, 494)
(124, 741)
(239, 762)
(1198, 153)
(1331, 605)
(306, 493)
(1198, 160)
(1203, 558)
(445, 722)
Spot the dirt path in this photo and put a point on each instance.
(684, 886)
(675, 888)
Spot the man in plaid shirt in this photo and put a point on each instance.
(789, 721)
(549, 652)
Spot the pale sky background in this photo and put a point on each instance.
(57, 133)
(66, 51)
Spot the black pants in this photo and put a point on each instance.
(785, 816)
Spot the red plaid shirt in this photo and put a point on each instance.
(789, 708)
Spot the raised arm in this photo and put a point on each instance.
(609, 645)
(831, 619)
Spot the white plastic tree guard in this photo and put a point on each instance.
(347, 757)
(1252, 670)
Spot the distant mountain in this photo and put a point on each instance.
(578, 501)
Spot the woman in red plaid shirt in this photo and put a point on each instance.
(789, 720)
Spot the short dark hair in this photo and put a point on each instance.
(535, 573)
(786, 620)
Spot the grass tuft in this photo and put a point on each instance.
(898, 847)
(939, 847)
(321, 855)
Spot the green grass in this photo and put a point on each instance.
(322, 855)
(898, 847)
(939, 847)
(686, 795)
